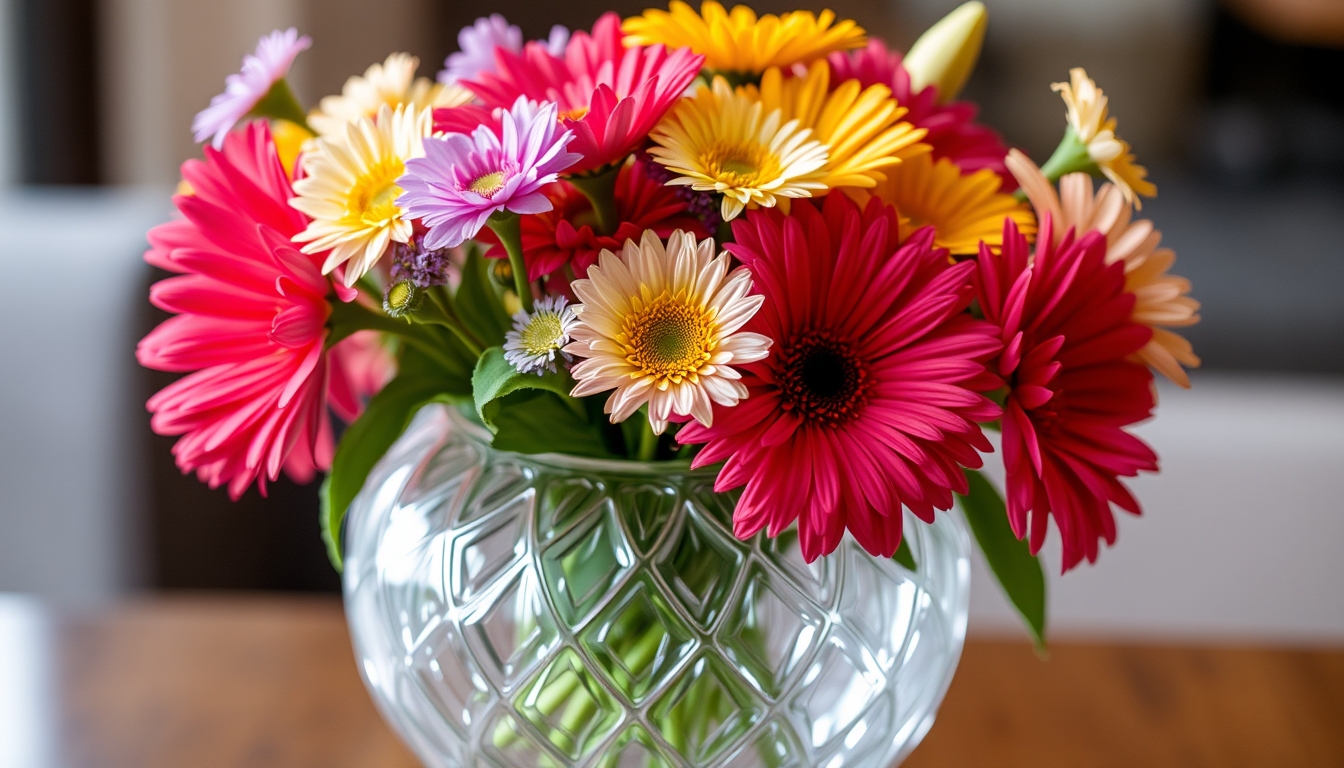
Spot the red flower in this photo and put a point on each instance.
(870, 396)
(565, 235)
(1064, 319)
(953, 132)
(610, 95)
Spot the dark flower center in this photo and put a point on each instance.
(822, 378)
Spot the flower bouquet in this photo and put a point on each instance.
(714, 312)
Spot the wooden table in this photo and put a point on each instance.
(259, 682)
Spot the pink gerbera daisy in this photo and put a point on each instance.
(251, 324)
(261, 70)
(953, 132)
(610, 96)
(870, 397)
(565, 235)
(463, 180)
(1065, 319)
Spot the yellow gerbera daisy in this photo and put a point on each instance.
(963, 209)
(393, 83)
(350, 188)
(739, 41)
(861, 128)
(1090, 124)
(722, 141)
(661, 325)
(1161, 298)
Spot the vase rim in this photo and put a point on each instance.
(478, 434)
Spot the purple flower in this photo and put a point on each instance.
(426, 268)
(462, 180)
(261, 70)
(479, 41)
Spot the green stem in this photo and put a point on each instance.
(1070, 156)
(506, 227)
(350, 317)
(443, 315)
(600, 189)
(280, 103)
(648, 441)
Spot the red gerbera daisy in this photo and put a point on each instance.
(870, 396)
(565, 234)
(1065, 321)
(610, 96)
(953, 132)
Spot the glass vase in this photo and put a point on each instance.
(546, 610)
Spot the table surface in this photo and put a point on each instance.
(198, 682)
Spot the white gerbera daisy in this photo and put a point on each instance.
(393, 83)
(660, 325)
(536, 338)
(350, 188)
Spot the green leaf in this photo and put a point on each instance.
(537, 421)
(495, 378)
(1017, 570)
(479, 301)
(905, 557)
(368, 438)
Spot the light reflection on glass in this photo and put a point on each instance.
(26, 707)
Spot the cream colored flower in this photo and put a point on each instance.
(726, 142)
(350, 188)
(1161, 298)
(1088, 118)
(661, 326)
(393, 83)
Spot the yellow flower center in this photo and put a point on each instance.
(576, 113)
(488, 185)
(739, 165)
(668, 338)
(373, 196)
(542, 334)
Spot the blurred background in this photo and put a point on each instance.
(1236, 106)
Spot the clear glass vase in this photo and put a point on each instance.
(512, 610)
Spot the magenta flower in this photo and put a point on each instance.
(269, 64)
(464, 179)
(479, 41)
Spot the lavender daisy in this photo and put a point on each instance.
(462, 180)
(479, 41)
(242, 91)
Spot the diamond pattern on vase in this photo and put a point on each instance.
(817, 579)
(715, 506)
(515, 631)
(706, 711)
(510, 742)
(837, 687)
(450, 680)
(775, 746)
(634, 748)
(496, 491)
(700, 564)
(481, 554)
(646, 509)
(770, 631)
(580, 568)
(872, 731)
(566, 501)
(881, 601)
(454, 467)
(927, 642)
(637, 641)
(569, 706)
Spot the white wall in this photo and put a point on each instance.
(68, 420)
(1241, 533)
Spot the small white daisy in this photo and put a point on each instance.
(537, 338)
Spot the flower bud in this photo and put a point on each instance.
(945, 54)
(402, 299)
